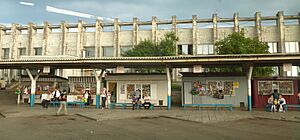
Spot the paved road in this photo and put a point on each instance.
(78, 128)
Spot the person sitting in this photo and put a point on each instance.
(271, 106)
(281, 103)
(147, 103)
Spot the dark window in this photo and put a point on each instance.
(185, 49)
(38, 51)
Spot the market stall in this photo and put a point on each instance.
(263, 87)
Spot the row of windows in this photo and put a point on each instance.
(202, 49)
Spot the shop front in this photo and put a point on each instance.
(264, 87)
(123, 86)
(44, 85)
(78, 85)
(214, 88)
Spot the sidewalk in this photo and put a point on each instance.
(204, 116)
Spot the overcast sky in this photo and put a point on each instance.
(13, 12)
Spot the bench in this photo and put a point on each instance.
(122, 105)
(125, 105)
(229, 106)
(287, 106)
(56, 103)
(81, 104)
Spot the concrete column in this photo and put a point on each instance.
(2, 33)
(98, 47)
(33, 86)
(154, 29)
(215, 30)
(31, 38)
(117, 38)
(80, 39)
(175, 30)
(46, 33)
(280, 25)
(15, 38)
(236, 22)
(194, 33)
(258, 25)
(249, 88)
(98, 76)
(169, 87)
(281, 45)
(135, 32)
(64, 40)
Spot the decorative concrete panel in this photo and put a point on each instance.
(142, 35)
(107, 38)
(205, 36)
(292, 33)
(270, 34)
(6, 41)
(22, 41)
(224, 32)
(185, 36)
(89, 39)
(125, 38)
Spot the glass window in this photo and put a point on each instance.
(146, 90)
(267, 87)
(185, 49)
(38, 51)
(130, 90)
(272, 47)
(5, 54)
(205, 49)
(89, 52)
(22, 51)
(125, 49)
(291, 47)
(108, 51)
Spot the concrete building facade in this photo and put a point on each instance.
(102, 39)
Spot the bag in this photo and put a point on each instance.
(280, 108)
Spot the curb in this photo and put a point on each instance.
(277, 119)
(2, 115)
(87, 117)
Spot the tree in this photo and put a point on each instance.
(237, 43)
(165, 47)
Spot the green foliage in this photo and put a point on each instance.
(165, 47)
(176, 87)
(237, 43)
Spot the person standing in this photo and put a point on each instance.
(63, 104)
(271, 106)
(103, 97)
(276, 98)
(299, 98)
(85, 97)
(18, 92)
(108, 99)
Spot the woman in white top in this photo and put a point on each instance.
(103, 97)
(108, 99)
(282, 103)
(147, 103)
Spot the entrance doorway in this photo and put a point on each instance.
(112, 87)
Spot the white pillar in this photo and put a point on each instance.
(135, 32)
(258, 25)
(169, 88)
(98, 76)
(33, 86)
(249, 76)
